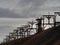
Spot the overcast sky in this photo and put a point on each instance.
(27, 8)
(23, 9)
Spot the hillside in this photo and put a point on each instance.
(48, 37)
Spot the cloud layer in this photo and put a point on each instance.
(28, 8)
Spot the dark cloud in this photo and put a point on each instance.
(8, 13)
(28, 8)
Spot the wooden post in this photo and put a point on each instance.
(54, 21)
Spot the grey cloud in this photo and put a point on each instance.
(34, 3)
(34, 7)
(30, 8)
(8, 13)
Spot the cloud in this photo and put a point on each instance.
(8, 3)
(9, 14)
(33, 8)
(29, 8)
(26, 8)
(51, 5)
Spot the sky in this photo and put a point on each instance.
(7, 25)
(10, 10)
(27, 8)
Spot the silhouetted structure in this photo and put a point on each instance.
(39, 23)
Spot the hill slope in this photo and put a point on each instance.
(48, 37)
